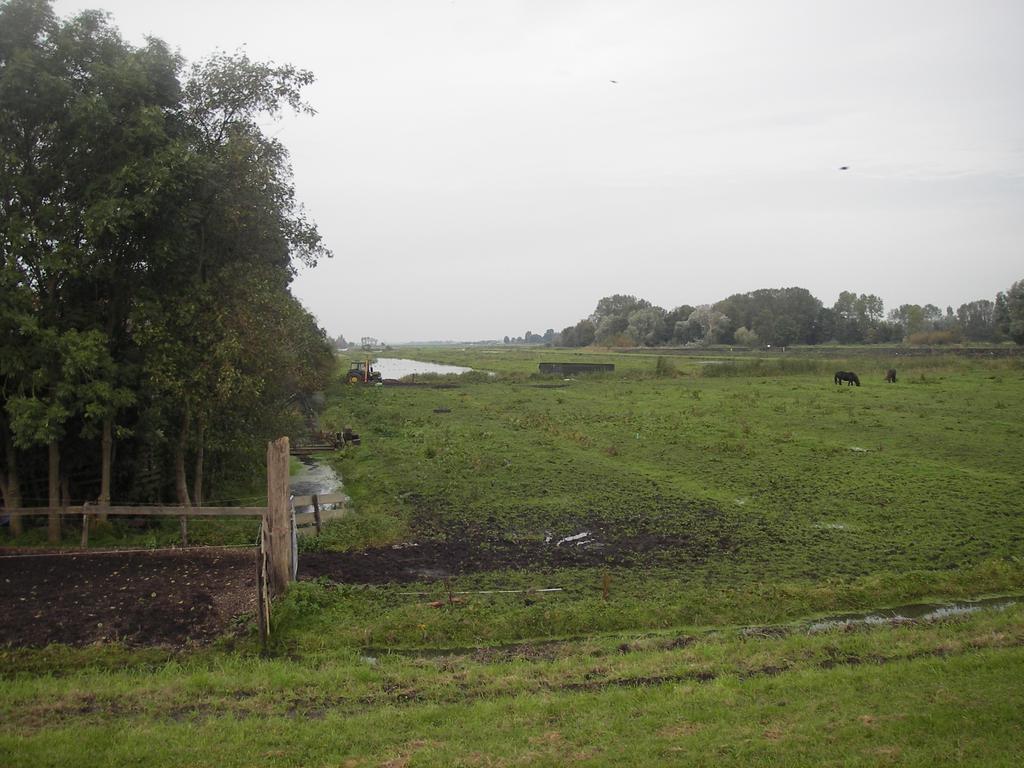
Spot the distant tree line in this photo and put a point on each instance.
(781, 317)
(149, 342)
(532, 338)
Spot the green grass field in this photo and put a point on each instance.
(764, 471)
(727, 502)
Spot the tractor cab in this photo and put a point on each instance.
(362, 372)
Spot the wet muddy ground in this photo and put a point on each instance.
(160, 597)
(473, 553)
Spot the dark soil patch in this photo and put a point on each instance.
(431, 384)
(432, 559)
(522, 652)
(640, 682)
(163, 597)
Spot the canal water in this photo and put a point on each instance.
(315, 477)
(398, 367)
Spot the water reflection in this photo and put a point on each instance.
(915, 612)
(398, 367)
(314, 477)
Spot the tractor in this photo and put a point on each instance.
(362, 372)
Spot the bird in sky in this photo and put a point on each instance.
(614, 82)
(844, 168)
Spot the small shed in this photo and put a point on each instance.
(571, 369)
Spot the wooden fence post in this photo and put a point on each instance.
(316, 513)
(85, 525)
(106, 448)
(263, 585)
(279, 515)
(53, 517)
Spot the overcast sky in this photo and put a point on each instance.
(477, 173)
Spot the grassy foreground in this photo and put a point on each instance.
(924, 694)
(784, 498)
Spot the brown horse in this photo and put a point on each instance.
(890, 375)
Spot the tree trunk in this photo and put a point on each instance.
(106, 461)
(197, 480)
(10, 483)
(53, 524)
(180, 477)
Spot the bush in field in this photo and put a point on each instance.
(747, 338)
(932, 338)
(476, 377)
(664, 367)
(618, 340)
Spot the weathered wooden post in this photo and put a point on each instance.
(263, 585)
(279, 515)
(316, 513)
(85, 525)
(53, 516)
(107, 451)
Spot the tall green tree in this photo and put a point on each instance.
(1009, 312)
(857, 318)
(242, 232)
(647, 326)
(149, 232)
(619, 305)
(977, 319)
(81, 116)
(779, 316)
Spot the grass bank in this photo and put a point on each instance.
(911, 695)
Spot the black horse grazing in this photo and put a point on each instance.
(848, 376)
(890, 375)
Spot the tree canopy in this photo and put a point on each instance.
(149, 232)
(784, 316)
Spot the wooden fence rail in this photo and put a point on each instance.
(148, 511)
(322, 498)
(315, 501)
(276, 550)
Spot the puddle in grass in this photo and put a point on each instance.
(547, 648)
(913, 612)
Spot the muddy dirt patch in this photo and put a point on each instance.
(163, 597)
(432, 559)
